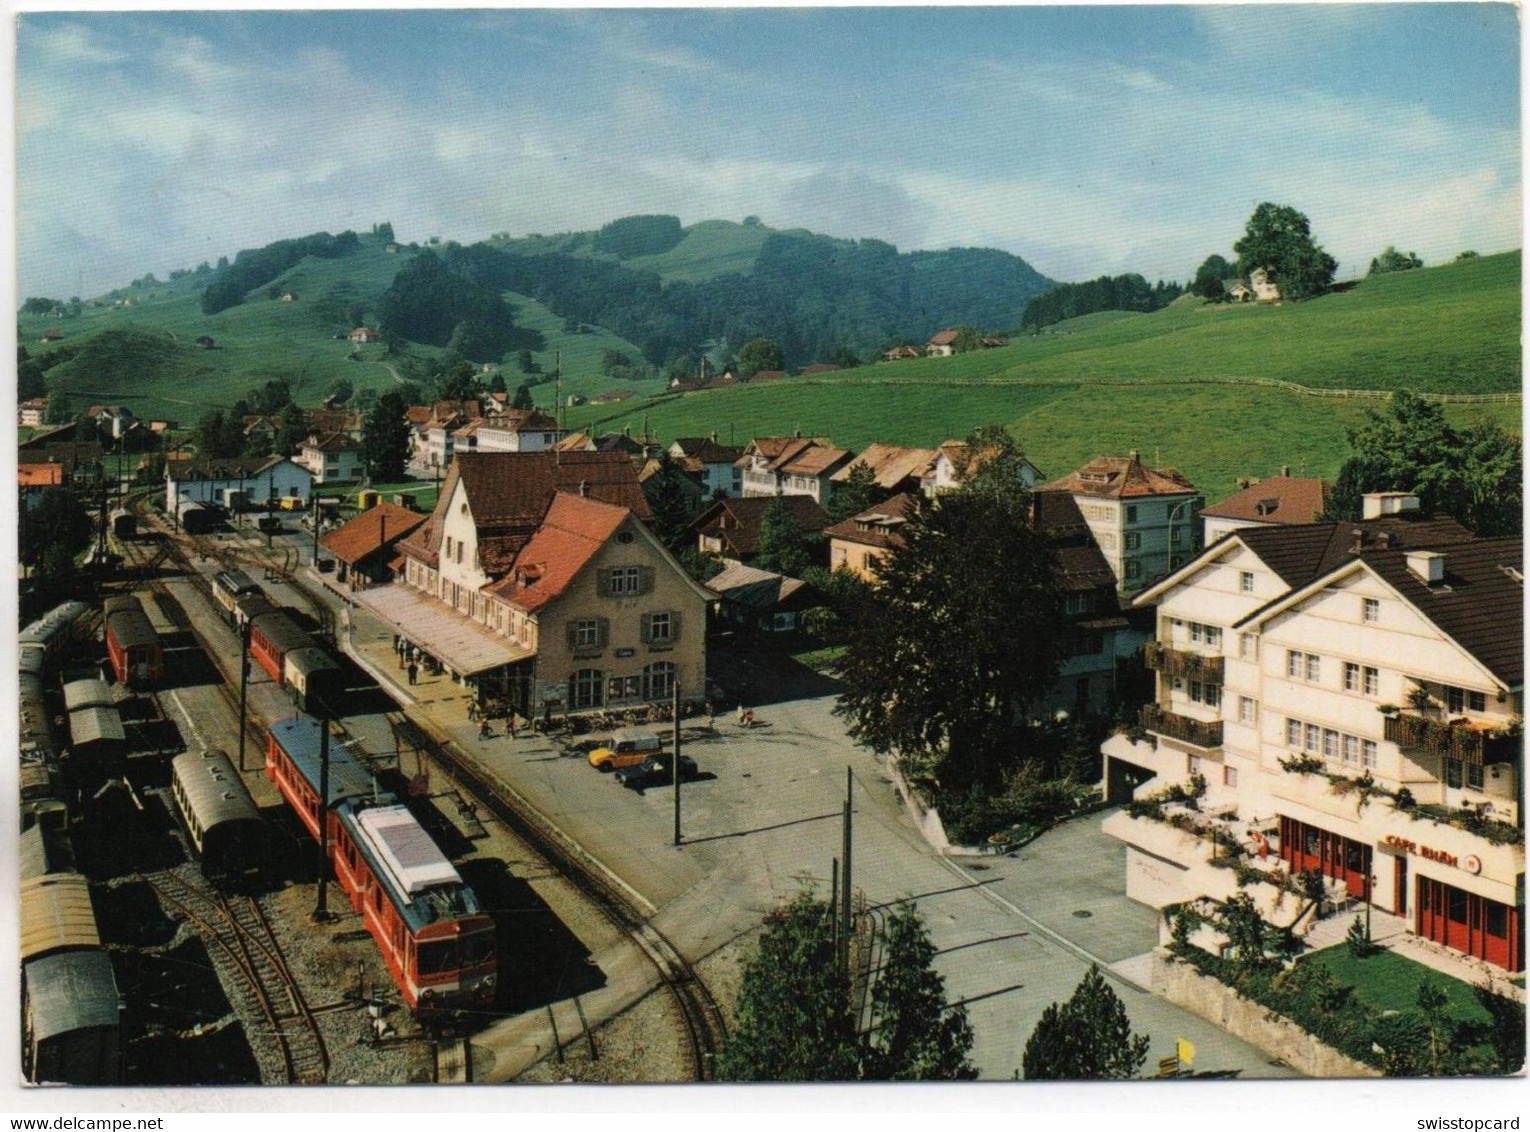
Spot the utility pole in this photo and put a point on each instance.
(321, 909)
(834, 907)
(844, 939)
(675, 758)
(244, 687)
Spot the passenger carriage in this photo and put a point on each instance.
(97, 745)
(56, 915)
(221, 819)
(247, 607)
(272, 636)
(71, 1014)
(136, 652)
(88, 693)
(124, 524)
(313, 677)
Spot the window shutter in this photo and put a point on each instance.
(674, 625)
(647, 628)
(603, 630)
(645, 579)
(571, 630)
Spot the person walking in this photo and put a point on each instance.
(510, 723)
(483, 729)
(472, 710)
(414, 672)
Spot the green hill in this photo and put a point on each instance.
(1186, 385)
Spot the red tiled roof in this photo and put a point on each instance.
(1122, 477)
(418, 415)
(570, 534)
(706, 450)
(1279, 499)
(371, 531)
(944, 338)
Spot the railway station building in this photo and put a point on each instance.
(537, 578)
(1351, 697)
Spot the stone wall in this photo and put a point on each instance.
(1222, 1006)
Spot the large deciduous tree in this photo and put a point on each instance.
(458, 383)
(1278, 239)
(1087, 1038)
(758, 355)
(1209, 276)
(385, 439)
(1473, 473)
(933, 672)
(784, 546)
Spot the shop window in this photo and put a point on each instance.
(1456, 898)
(660, 680)
(1313, 843)
(1496, 919)
(585, 687)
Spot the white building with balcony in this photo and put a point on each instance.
(1353, 694)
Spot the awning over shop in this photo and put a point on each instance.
(463, 646)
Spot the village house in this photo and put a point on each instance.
(114, 419)
(31, 414)
(362, 335)
(576, 442)
(517, 430)
(761, 601)
(365, 547)
(942, 345)
(80, 461)
(217, 482)
(899, 353)
(894, 468)
(34, 479)
(1281, 499)
(52, 335)
(954, 458)
(715, 464)
(730, 528)
(1377, 656)
(333, 458)
(1145, 520)
(791, 465)
(860, 542)
(537, 577)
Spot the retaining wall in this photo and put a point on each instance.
(1222, 1006)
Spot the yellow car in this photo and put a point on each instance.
(626, 748)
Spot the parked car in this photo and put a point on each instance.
(626, 748)
(655, 771)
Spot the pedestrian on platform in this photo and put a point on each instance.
(711, 717)
(483, 729)
(472, 710)
(510, 723)
(414, 672)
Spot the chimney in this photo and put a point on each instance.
(1359, 536)
(627, 430)
(1384, 540)
(1376, 504)
(1285, 470)
(1134, 456)
(714, 436)
(584, 489)
(1427, 566)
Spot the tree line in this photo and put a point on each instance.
(1129, 292)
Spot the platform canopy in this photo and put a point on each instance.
(462, 645)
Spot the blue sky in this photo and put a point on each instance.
(1089, 140)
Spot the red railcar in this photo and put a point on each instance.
(134, 648)
(272, 636)
(437, 942)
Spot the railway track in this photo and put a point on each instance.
(238, 928)
(700, 1015)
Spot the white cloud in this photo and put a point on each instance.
(68, 45)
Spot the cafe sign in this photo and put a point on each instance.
(1471, 863)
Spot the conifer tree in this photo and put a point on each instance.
(1087, 1038)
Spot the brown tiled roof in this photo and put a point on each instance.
(768, 375)
(879, 526)
(737, 521)
(209, 469)
(444, 410)
(809, 458)
(1302, 552)
(1479, 603)
(944, 338)
(373, 530)
(418, 415)
(772, 448)
(706, 450)
(891, 464)
(618, 442)
(514, 488)
(760, 589)
(518, 420)
(576, 442)
(1122, 477)
(1279, 499)
(334, 442)
(570, 534)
